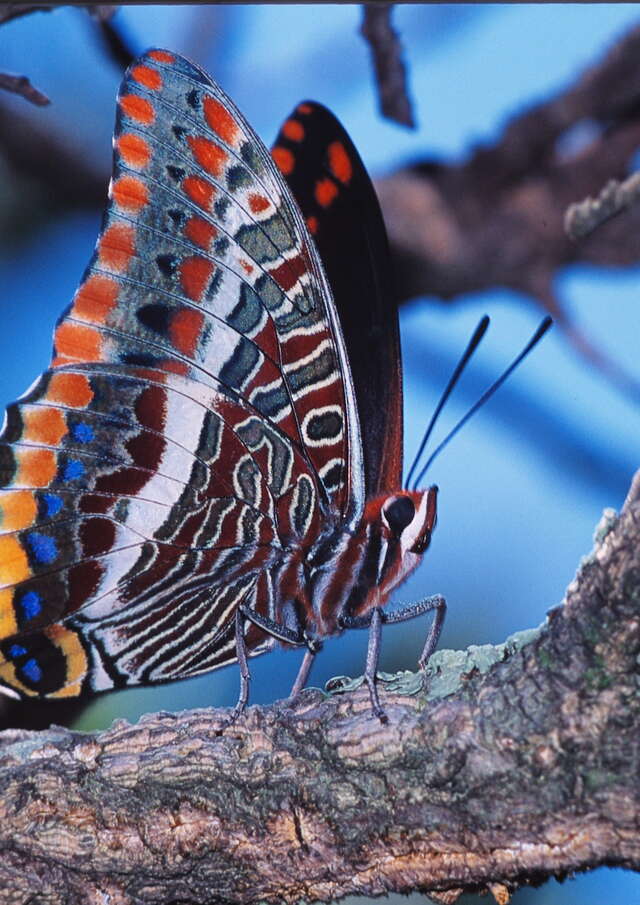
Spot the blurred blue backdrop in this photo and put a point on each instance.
(523, 486)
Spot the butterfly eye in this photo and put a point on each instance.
(422, 543)
(398, 513)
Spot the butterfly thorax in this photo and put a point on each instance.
(347, 573)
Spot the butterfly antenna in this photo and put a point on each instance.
(473, 344)
(535, 339)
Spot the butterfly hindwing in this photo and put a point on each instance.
(332, 187)
(198, 415)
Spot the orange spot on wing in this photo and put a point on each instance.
(200, 191)
(18, 509)
(130, 193)
(258, 203)
(195, 273)
(200, 232)
(75, 660)
(325, 192)
(147, 76)
(185, 329)
(14, 565)
(312, 225)
(75, 342)
(304, 108)
(43, 425)
(138, 108)
(117, 246)
(220, 120)
(283, 159)
(36, 467)
(73, 390)
(95, 299)
(248, 268)
(209, 155)
(162, 56)
(339, 162)
(8, 625)
(134, 150)
(293, 130)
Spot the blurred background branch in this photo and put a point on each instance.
(389, 68)
(496, 220)
(584, 216)
(20, 84)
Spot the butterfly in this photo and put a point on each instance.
(212, 463)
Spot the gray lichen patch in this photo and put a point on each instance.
(447, 669)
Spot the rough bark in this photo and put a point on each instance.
(512, 764)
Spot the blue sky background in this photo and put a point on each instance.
(525, 483)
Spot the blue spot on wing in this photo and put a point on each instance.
(73, 469)
(82, 432)
(53, 503)
(43, 548)
(17, 650)
(31, 604)
(31, 670)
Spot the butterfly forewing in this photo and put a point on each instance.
(198, 417)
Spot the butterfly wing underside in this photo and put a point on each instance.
(343, 214)
(197, 420)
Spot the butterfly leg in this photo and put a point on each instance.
(437, 603)
(371, 666)
(245, 675)
(291, 636)
(313, 646)
(375, 619)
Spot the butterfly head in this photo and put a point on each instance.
(396, 531)
(407, 520)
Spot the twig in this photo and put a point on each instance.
(585, 216)
(513, 764)
(11, 11)
(102, 12)
(20, 84)
(117, 48)
(386, 51)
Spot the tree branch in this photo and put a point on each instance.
(20, 84)
(386, 53)
(498, 218)
(514, 763)
(583, 217)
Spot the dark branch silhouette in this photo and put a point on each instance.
(20, 84)
(11, 11)
(386, 53)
